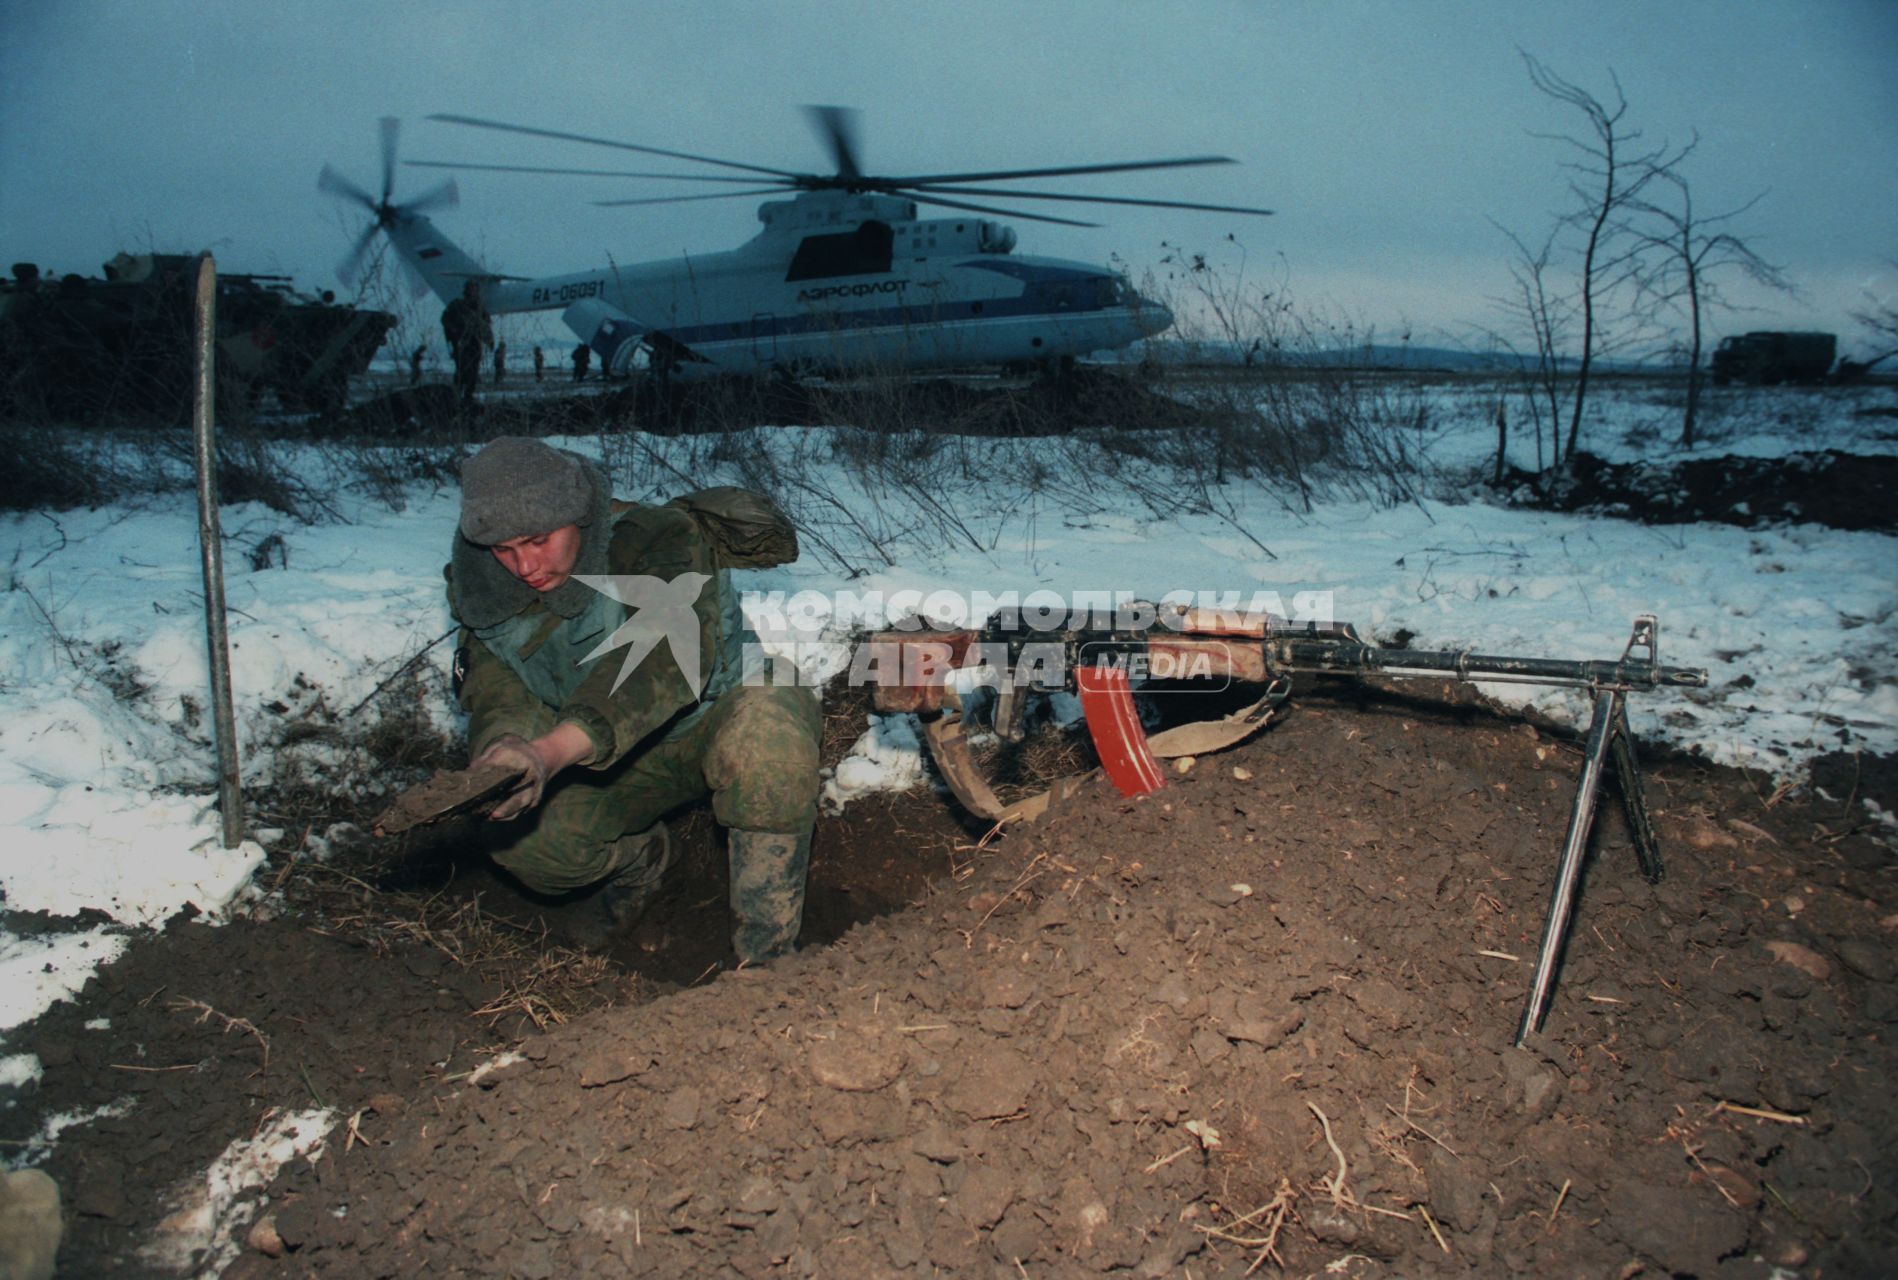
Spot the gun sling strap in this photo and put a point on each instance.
(949, 748)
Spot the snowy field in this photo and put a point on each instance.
(106, 765)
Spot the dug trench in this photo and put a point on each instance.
(1263, 1018)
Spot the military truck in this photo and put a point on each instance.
(83, 349)
(1766, 359)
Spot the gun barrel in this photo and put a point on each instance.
(1350, 657)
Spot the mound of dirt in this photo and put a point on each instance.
(1266, 1013)
(1838, 490)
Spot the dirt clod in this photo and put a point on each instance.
(1804, 959)
(853, 1063)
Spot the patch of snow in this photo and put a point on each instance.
(39, 971)
(17, 1070)
(36, 1148)
(887, 757)
(197, 1236)
(498, 1062)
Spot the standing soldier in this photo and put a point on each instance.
(607, 742)
(582, 357)
(415, 365)
(500, 362)
(469, 332)
(540, 363)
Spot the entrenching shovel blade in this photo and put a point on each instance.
(446, 793)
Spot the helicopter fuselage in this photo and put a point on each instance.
(835, 282)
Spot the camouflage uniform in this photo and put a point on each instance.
(752, 749)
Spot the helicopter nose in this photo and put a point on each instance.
(1152, 317)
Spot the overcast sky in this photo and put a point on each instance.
(1387, 136)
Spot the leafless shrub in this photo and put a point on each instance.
(388, 473)
(1286, 393)
(46, 467)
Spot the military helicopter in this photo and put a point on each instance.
(846, 274)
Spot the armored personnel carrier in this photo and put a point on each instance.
(81, 349)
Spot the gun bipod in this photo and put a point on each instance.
(1609, 745)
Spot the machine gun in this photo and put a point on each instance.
(917, 671)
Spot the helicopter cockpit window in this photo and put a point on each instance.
(866, 251)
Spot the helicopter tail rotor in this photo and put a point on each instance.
(384, 211)
(333, 183)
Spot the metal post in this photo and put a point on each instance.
(1601, 731)
(211, 544)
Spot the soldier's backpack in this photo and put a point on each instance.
(747, 528)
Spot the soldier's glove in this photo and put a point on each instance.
(516, 752)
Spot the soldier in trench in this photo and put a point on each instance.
(607, 741)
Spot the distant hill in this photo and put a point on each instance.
(1376, 355)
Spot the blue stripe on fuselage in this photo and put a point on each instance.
(1031, 303)
(1033, 272)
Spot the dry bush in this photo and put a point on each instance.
(46, 467)
(387, 473)
(1285, 391)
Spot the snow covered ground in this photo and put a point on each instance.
(106, 765)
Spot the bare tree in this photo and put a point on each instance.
(1881, 317)
(1683, 257)
(1606, 174)
(1536, 306)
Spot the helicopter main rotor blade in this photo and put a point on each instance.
(584, 173)
(922, 198)
(838, 127)
(1004, 175)
(333, 183)
(477, 123)
(391, 132)
(1081, 199)
(716, 195)
(446, 196)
